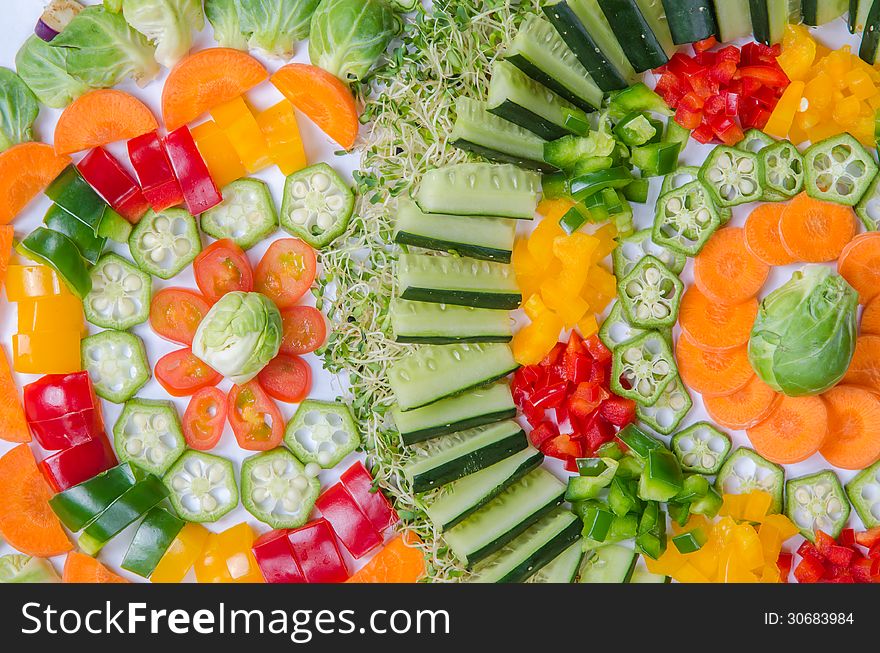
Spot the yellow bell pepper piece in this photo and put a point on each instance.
(534, 306)
(783, 524)
(668, 563)
(554, 209)
(534, 341)
(860, 84)
(58, 313)
(179, 558)
(687, 573)
(770, 574)
(241, 128)
(756, 505)
(588, 326)
(568, 306)
(33, 281)
(837, 64)
(279, 127)
(219, 155)
(798, 52)
(748, 546)
(846, 111)
(819, 91)
(783, 114)
(605, 235)
(540, 243)
(227, 557)
(46, 352)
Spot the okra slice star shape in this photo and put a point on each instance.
(782, 169)
(202, 486)
(317, 205)
(642, 368)
(278, 489)
(165, 243)
(148, 433)
(685, 218)
(838, 170)
(746, 471)
(732, 176)
(650, 294)
(701, 448)
(322, 432)
(817, 503)
(117, 364)
(120, 294)
(671, 408)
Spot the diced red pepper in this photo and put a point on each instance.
(549, 396)
(784, 563)
(349, 523)
(766, 98)
(808, 550)
(154, 172)
(561, 412)
(841, 556)
(727, 131)
(671, 88)
(729, 53)
(596, 432)
(275, 558)
(112, 182)
(703, 134)
(823, 543)
(618, 411)
(554, 355)
(317, 553)
(809, 570)
(723, 71)
(544, 431)
(731, 104)
(563, 447)
(703, 84)
(874, 551)
(847, 537)
(585, 399)
(533, 415)
(77, 464)
(765, 75)
(63, 411)
(374, 504)
(682, 65)
(868, 538)
(705, 44)
(705, 59)
(688, 118)
(597, 349)
(199, 190)
(715, 105)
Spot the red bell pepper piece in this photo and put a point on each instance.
(554, 355)
(534, 416)
(275, 558)
(349, 523)
(860, 569)
(63, 411)
(597, 349)
(729, 53)
(550, 396)
(546, 430)
(596, 432)
(619, 411)
(688, 118)
(705, 44)
(847, 537)
(316, 552)
(874, 551)
(112, 182)
(154, 172)
(77, 464)
(199, 190)
(840, 556)
(586, 398)
(808, 550)
(563, 447)
(823, 543)
(727, 131)
(703, 134)
(683, 66)
(809, 570)
(868, 538)
(784, 563)
(561, 413)
(359, 483)
(671, 88)
(765, 75)
(703, 84)
(705, 59)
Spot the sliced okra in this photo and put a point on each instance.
(671, 408)
(202, 486)
(322, 432)
(838, 170)
(685, 175)
(148, 434)
(782, 170)
(701, 448)
(278, 489)
(317, 205)
(754, 140)
(746, 471)
(120, 294)
(164, 243)
(650, 294)
(117, 364)
(868, 208)
(817, 503)
(616, 329)
(732, 176)
(685, 219)
(864, 492)
(634, 248)
(642, 368)
(246, 215)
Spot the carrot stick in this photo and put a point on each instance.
(793, 432)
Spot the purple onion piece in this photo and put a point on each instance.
(56, 17)
(43, 31)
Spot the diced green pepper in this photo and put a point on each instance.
(708, 505)
(679, 512)
(637, 190)
(151, 540)
(591, 164)
(630, 467)
(675, 133)
(690, 541)
(637, 97)
(685, 218)
(591, 183)
(622, 497)
(595, 475)
(61, 254)
(597, 523)
(610, 450)
(694, 487)
(635, 129)
(89, 244)
(656, 159)
(639, 442)
(565, 153)
(555, 186)
(651, 538)
(662, 478)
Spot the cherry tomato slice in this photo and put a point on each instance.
(286, 378)
(254, 417)
(303, 330)
(181, 373)
(205, 418)
(175, 314)
(286, 271)
(223, 267)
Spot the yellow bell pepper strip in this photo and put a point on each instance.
(218, 153)
(46, 352)
(180, 557)
(241, 128)
(780, 120)
(54, 313)
(281, 131)
(33, 281)
(227, 557)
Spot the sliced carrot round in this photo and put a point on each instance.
(206, 79)
(864, 368)
(814, 231)
(870, 324)
(323, 98)
(745, 407)
(714, 326)
(25, 171)
(793, 432)
(26, 519)
(712, 373)
(101, 117)
(761, 233)
(859, 264)
(853, 440)
(726, 271)
(80, 568)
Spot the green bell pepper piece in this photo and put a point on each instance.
(610, 450)
(89, 244)
(151, 540)
(649, 518)
(597, 522)
(656, 159)
(595, 475)
(630, 467)
(662, 478)
(555, 186)
(79, 505)
(622, 497)
(637, 190)
(651, 538)
(574, 121)
(639, 442)
(61, 254)
(591, 183)
(708, 505)
(635, 129)
(73, 194)
(679, 512)
(590, 164)
(637, 97)
(675, 133)
(114, 226)
(690, 541)
(694, 487)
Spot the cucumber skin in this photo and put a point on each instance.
(690, 20)
(530, 120)
(542, 557)
(627, 21)
(463, 249)
(501, 157)
(503, 301)
(414, 437)
(540, 76)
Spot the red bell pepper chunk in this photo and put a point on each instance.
(705, 59)
(63, 411)
(77, 464)
(847, 537)
(729, 53)
(618, 411)
(596, 432)
(317, 553)
(682, 65)
(585, 399)
(599, 375)
(705, 44)
(533, 415)
(597, 349)
(840, 555)
(703, 84)
(763, 74)
(869, 537)
(731, 104)
(823, 543)
(544, 431)
(784, 563)
(275, 558)
(723, 71)
(727, 131)
(766, 98)
(199, 190)
(112, 182)
(561, 412)
(348, 521)
(874, 551)
(563, 447)
(154, 172)
(688, 118)
(554, 355)
(671, 88)
(703, 134)
(809, 570)
(808, 550)
(571, 464)
(531, 374)
(359, 483)
(860, 569)
(550, 396)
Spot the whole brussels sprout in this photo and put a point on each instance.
(805, 333)
(239, 335)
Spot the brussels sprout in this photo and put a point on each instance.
(18, 110)
(805, 333)
(348, 36)
(43, 68)
(20, 568)
(167, 23)
(223, 17)
(239, 335)
(275, 25)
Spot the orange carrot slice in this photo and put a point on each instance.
(714, 326)
(793, 432)
(398, 562)
(712, 373)
(864, 368)
(26, 520)
(13, 424)
(80, 568)
(7, 235)
(101, 117)
(726, 271)
(859, 264)
(761, 232)
(853, 440)
(25, 170)
(745, 407)
(205, 79)
(323, 98)
(870, 324)
(816, 231)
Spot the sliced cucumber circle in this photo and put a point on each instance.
(117, 364)
(202, 486)
(165, 243)
(148, 434)
(277, 489)
(120, 294)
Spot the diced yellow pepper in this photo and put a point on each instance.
(179, 558)
(748, 546)
(687, 573)
(603, 281)
(783, 113)
(783, 524)
(837, 64)
(606, 235)
(733, 505)
(846, 111)
(227, 557)
(771, 541)
(279, 126)
(241, 128)
(568, 306)
(32, 281)
(58, 313)
(541, 241)
(860, 84)
(219, 155)
(533, 342)
(819, 90)
(756, 505)
(770, 574)
(588, 326)
(667, 564)
(534, 306)
(824, 130)
(47, 352)
(554, 209)
(798, 52)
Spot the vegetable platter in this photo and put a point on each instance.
(482, 292)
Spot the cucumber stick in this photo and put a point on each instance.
(500, 190)
(562, 569)
(444, 324)
(733, 18)
(641, 25)
(609, 564)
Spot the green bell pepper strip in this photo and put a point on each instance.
(650, 295)
(685, 218)
(246, 215)
(278, 489)
(128, 508)
(589, 164)
(838, 170)
(630, 467)
(622, 498)
(649, 517)
(782, 170)
(637, 97)
(148, 434)
(642, 368)
(597, 523)
(637, 190)
(754, 140)
(164, 243)
(708, 505)
(694, 487)
(317, 205)
(658, 126)
(635, 129)
(79, 505)
(114, 226)
(690, 541)
(202, 486)
(74, 194)
(639, 442)
(732, 176)
(868, 208)
(61, 254)
(679, 512)
(701, 448)
(87, 242)
(151, 540)
(579, 215)
(591, 183)
(656, 159)
(675, 133)
(595, 475)
(555, 186)
(669, 410)
(574, 121)
(120, 294)
(610, 449)
(117, 364)
(661, 478)
(651, 538)
(322, 432)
